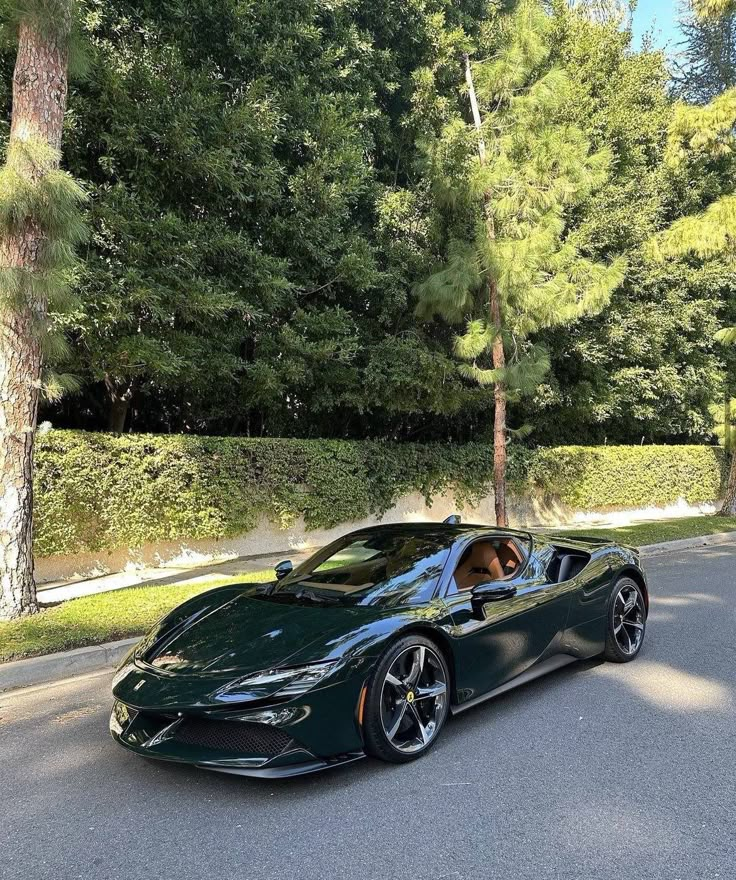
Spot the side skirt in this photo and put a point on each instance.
(548, 665)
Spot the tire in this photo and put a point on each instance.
(407, 701)
(625, 631)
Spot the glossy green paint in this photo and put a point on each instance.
(221, 636)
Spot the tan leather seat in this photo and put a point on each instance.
(478, 565)
(508, 556)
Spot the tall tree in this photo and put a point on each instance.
(713, 8)
(703, 137)
(603, 10)
(706, 62)
(647, 366)
(508, 178)
(38, 229)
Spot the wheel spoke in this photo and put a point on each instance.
(633, 623)
(394, 682)
(391, 733)
(628, 639)
(423, 733)
(617, 629)
(433, 690)
(417, 666)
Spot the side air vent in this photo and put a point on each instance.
(566, 565)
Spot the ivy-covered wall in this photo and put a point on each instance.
(609, 477)
(100, 491)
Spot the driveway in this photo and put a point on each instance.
(598, 771)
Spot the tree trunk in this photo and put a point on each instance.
(729, 505)
(499, 417)
(120, 398)
(39, 103)
(728, 445)
(497, 352)
(118, 414)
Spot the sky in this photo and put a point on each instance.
(659, 16)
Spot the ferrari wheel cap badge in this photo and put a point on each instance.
(410, 697)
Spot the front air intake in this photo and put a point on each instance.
(232, 736)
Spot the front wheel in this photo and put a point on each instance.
(627, 621)
(408, 700)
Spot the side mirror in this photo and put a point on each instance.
(491, 592)
(283, 568)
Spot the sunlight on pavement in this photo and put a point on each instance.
(670, 688)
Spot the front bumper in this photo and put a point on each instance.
(315, 731)
(246, 745)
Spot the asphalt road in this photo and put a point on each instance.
(597, 771)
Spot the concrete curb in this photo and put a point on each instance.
(66, 664)
(687, 544)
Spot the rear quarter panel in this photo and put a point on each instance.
(585, 635)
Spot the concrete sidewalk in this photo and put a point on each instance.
(59, 591)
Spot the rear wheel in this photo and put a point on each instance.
(408, 700)
(627, 621)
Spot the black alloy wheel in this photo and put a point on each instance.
(408, 700)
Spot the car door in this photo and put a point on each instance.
(511, 634)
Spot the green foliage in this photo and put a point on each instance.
(727, 336)
(702, 140)
(250, 266)
(98, 492)
(725, 429)
(597, 478)
(705, 63)
(261, 209)
(646, 367)
(506, 201)
(95, 491)
(713, 8)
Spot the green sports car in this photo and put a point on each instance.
(369, 646)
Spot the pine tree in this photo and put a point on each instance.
(39, 227)
(509, 179)
(700, 136)
(713, 8)
(706, 64)
(603, 10)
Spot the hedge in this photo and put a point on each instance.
(609, 477)
(100, 491)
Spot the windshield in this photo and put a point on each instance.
(392, 566)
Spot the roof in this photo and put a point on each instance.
(447, 529)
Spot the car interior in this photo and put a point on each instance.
(485, 561)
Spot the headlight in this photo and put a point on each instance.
(120, 717)
(271, 682)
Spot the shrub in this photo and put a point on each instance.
(605, 477)
(101, 491)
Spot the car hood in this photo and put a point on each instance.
(222, 636)
(241, 634)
